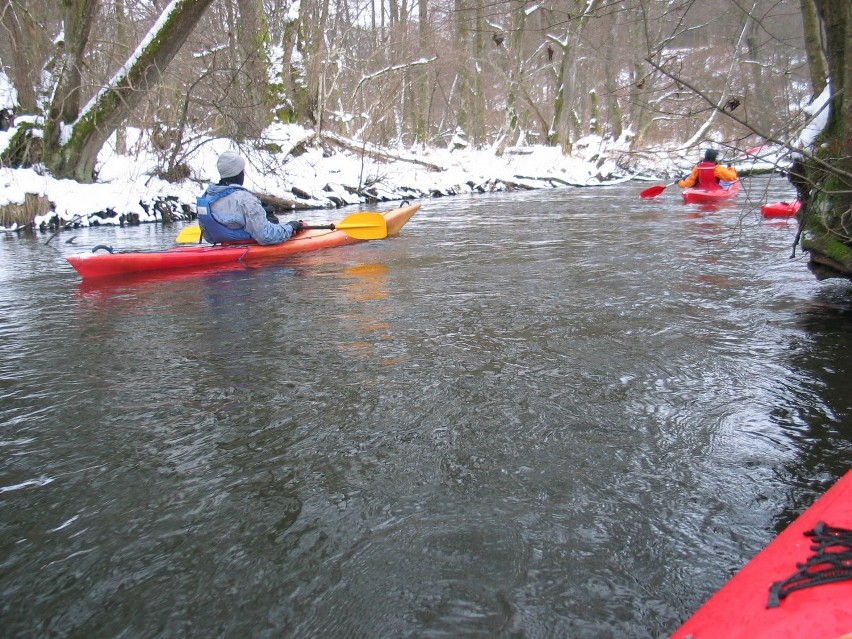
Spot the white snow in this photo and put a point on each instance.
(125, 182)
(8, 94)
(818, 110)
(330, 175)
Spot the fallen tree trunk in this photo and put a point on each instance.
(377, 152)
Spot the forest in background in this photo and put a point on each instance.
(432, 73)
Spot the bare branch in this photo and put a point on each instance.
(398, 67)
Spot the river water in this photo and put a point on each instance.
(567, 413)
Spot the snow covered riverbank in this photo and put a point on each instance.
(337, 173)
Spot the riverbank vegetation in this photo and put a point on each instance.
(388, 83)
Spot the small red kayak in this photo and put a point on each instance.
(698, 195)
(780, 209)
(798, 587)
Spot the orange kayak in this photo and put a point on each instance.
(112, 263)
(798, 587)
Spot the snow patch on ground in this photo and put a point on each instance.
(333, 174)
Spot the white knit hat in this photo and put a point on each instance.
(230, 164)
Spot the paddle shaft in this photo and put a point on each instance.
(654, 191)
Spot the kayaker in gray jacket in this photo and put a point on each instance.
(229, 213)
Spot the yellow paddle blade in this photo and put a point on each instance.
(364, 226)
(361, 226)
(189, 235)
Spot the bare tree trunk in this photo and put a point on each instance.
(515, 76)
(466, 76)
(291, 73)
(124, 43)
(754, 95)
(78, 16)
(477, 103)
(253, 37)
(76, 158)
(813, 48)
(316, 75)
(826, 215)
(726, 90)
(837, 17)
(17, 23)
(615, 118)
(558, 132)
(421, 123)
(306, 81)
(641, 83)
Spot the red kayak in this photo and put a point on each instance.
(798, 587)
(122, 263)
(780, 209)
(711, 195)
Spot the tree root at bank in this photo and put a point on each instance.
(829, 257)
(825, 228)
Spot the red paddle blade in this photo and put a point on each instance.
(654, 191)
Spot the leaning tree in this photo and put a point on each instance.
(75, 132)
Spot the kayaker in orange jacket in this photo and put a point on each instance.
(703, 169)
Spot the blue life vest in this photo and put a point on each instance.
(211, 229)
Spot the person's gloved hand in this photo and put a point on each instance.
(297, 225)
(270, 214)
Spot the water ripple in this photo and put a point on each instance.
(532, 415)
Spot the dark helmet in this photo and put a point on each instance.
(710, 155)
